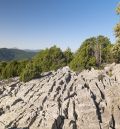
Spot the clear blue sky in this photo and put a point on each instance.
(37, 24)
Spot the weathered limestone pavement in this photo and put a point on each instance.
(63, 100)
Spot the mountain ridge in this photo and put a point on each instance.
(8, 54)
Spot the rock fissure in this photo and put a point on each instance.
(62, 100)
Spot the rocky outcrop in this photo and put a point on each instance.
(63, 100)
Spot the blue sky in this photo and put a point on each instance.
(37, 24)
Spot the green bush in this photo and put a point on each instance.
(10, 70)
(68, 55)
(30, 72)
(2, 66)
(50, 59)
(22, 65)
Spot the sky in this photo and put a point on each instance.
(37, 24)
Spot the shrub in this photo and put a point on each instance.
(2, 66)
(68, 55)
(10, 70)
(30, 72)
(22, 65)
(50, 59)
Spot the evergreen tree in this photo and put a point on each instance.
(68, 55)
(116, 47)
(92, 53)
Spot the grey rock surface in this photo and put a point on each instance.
(63, 100)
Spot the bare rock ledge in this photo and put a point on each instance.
(63, 100)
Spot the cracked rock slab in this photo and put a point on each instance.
(63, 100)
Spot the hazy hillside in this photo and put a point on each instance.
(15, 54)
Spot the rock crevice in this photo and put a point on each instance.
(62, 100)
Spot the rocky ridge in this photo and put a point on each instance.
(63, 100)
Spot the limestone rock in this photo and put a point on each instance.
(63, 100)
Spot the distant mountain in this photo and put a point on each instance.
(29, 50)
(15, 54)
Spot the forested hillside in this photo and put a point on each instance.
(15, 54)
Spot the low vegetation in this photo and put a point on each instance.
(30, 71)
(46, 60)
